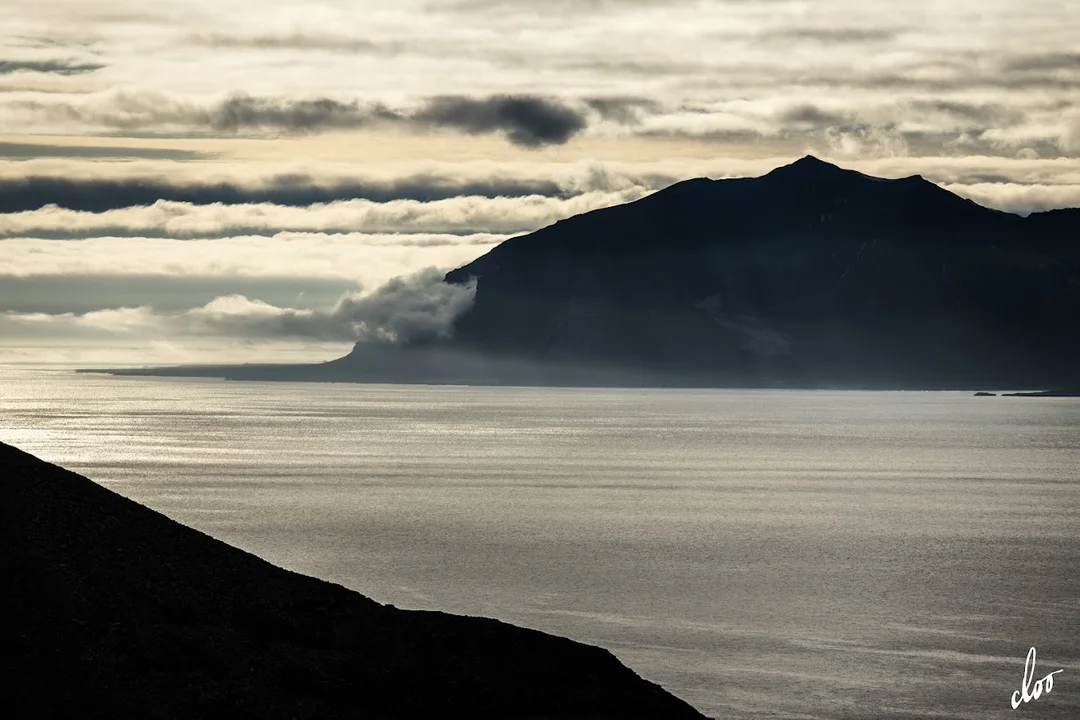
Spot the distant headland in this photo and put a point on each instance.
(809, 276)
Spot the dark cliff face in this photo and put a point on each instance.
(111, 610)
(810, 274)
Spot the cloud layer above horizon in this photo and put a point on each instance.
(306, 145)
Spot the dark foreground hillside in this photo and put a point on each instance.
(112, 610)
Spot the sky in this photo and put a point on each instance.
(237, 181)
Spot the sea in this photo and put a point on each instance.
(810, 555)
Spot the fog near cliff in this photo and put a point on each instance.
(420, 306)
(405, 309)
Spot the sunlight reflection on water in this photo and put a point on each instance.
(777, 554)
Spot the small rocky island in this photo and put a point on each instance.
(112, 610)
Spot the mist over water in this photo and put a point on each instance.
(761, 554)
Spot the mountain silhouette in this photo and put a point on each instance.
(811, 275)
(111, 610)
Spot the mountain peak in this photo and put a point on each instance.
(812, 161)
(808, 166)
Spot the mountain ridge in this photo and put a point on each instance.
(112, 610)
(828, 262)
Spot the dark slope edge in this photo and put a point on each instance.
(810, 275)
(112, 610)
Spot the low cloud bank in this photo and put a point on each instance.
(419, 307)
(370, 260)
(96, 187)
(405, 309)
(1017, 198)
(165, 218)
(463, 215)
(31, 192)
(56, 67)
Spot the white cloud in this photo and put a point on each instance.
(1021, 199)
(865, 61)
(610, 168)
(183, 219)
(367, 259)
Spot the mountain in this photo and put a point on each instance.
(809, 276)
(111, 610)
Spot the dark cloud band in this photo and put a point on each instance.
(99, 195)
(525, 120)
(36, 150)
(54, 67)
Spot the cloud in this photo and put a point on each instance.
(929, 117)
(527, 121)
(861, 139)
(140, 111)
(623, 110)
(323, 42)
(95, 186)
(1045, 61)
(920, 126)
(1017, 198)
(857, 35)
(166, 218)
(97, 194)
(36, 150)
(242, 112)
(83, 293)
(366, 259)
(419, 307)
(811, 115)
(579, 188)
(405, 309)
(55, 67)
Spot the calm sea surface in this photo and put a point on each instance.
(762, 554)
